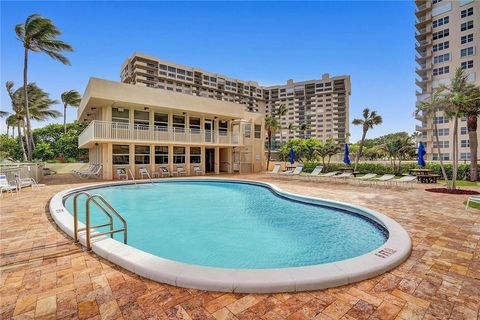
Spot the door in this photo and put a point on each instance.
(208, 131)
(209, 160)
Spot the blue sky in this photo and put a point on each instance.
(270, 42)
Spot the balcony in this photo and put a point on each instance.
(103, 131)
(423, 20)
(422, 33)
(421, 9)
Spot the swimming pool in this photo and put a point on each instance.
(241, 227)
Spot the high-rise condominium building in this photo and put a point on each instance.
(321, 104)
(447, 38)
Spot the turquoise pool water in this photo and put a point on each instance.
(234, 225)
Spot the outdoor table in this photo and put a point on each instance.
(428, 178)
(420, 172)
(289, 169)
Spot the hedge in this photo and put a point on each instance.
(383, 168)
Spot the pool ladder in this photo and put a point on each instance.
(103, 205)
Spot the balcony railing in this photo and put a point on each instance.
(117, 131)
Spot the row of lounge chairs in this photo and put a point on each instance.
(17, 184)
(163, 172)
(369, 178)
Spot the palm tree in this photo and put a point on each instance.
(369, 120)
(11, 122)
(304, 127)
(428, 110)
(38, 34)
(456, 97)
(327, 150)
(472, 111)
(281, 112)
(271, 126)
(291, 128)
(4, 114)
(69, 98)
(17, 117)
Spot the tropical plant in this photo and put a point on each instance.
(291, 129)
(38, 34)
(369, 120)
(11, 122)
(69, 98)
(327, 150)
(398, 149)
(304, 127)
(428, 110)
(271, 126)
(471, 111)
(17, 117)
(456, 97)
(281, 112)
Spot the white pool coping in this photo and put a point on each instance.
(392, 253)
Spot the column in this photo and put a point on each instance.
(187, 159)
(230, 159)
(170, 158)
(152, 159)
(202, 150)
(107, 151)
(217, 160)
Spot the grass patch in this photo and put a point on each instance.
(463, 183)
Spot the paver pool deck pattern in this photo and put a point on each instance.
(44, 275)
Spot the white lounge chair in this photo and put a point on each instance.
(385, 178)
(343, 175)
(298, 169)
(96, 173)
(164, 172)
(91, 168)
(144, 172)
(197, 170)
(180, 171)
(7, 186)
(23, 182)
(316, 171)
(474, 199)
(276, 168)
(329, 174)
(368, 176)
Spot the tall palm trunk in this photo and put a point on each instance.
(472, 135)
(357, 156)
(439, 153)
(455, 152)
(28, 134)
(65, 118)
(20, 138)
(269, 148)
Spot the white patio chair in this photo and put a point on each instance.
(144, 172)
(474, 199)
(122, 173)
(180, 171)
(7, 186)
(164, 172)
(197, 170)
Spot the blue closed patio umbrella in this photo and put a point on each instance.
(292, 156)
(346, 159)
(421, 153)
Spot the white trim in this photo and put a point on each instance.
(393, 252)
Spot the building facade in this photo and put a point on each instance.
(133, 127)
(447, 38)
(322, 104)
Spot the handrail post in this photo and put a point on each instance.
(87, 221)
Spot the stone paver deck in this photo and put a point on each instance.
(45, 276)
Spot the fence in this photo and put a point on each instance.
(23, 170)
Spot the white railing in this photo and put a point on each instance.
(117, 131)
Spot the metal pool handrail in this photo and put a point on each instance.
(89, 227)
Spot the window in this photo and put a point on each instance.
(195, 155)
(179, 121)
(121, 154)
(465, 156)
(440, 120)
(467, 64)
(120, 115)
(466, 13)
(465, 143)
(258, 131)
(441, 70)
(463, 130)
(141, 118)
(441, 46)
(445, 156)
(178, 155)
(441, 58)
(248, 130)
(466, 26)
(440, 22)
(142, 154)
(466, 39)
(442, 132)
(436, 1)
(160, 120)
(194, 124)
(440, 34)
(161, 154)
(223, 128)
(466, 52)
(441, 144)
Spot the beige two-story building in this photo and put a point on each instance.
(133, 126)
